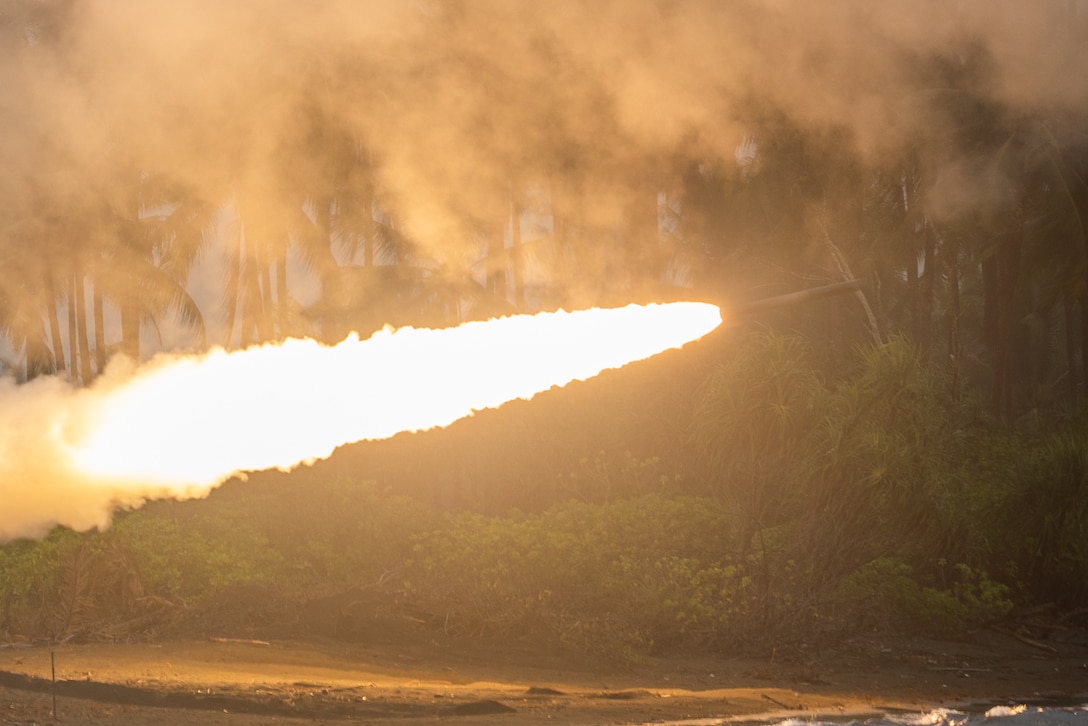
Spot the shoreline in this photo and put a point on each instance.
(202, 682)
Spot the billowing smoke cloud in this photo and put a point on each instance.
(453, 99)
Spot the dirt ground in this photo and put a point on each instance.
(224, 679)
(254, 656)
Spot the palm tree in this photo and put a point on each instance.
(22, 304)
(29, 287)
(158, 229)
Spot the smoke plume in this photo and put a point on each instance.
(454, 98)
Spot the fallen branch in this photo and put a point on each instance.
(1023, 639)
(246, 641)
(776, 702)
(114, 631)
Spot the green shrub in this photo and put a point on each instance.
(622, 578)
(28, 574)
(1045, 527)
(188, 558)
(753, 427)
(886, 593)
(851, 470)
(297, 534)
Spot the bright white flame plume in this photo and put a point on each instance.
(180, 425)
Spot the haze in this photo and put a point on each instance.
(436, 117)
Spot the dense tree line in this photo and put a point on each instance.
(917, 443)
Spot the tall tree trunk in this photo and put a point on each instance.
(99, 332)
(641, 240)
(561, 246)
(924, 324)
(80, 294)
(326, 266)
(130, 330)
(913, 291)
(991, 296)
(1083, 304)
(515, 247)
(1008, 272)
(1043, 363)
(254, 286)
(1079, 382)
(265, 306)
(233, 295)
(954, 346)
(73, 347)
(1072, 376)
(251, 313)
(367, 203)
(283, 308)
(496, 263)
(54, 327)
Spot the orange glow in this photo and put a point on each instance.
(179, 426)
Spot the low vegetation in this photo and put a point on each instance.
(813, 507)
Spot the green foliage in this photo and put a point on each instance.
(186, 558)
(887, 593)
(872, 485)
(600, 577)
(813, 503)
(29, 571)
(337, 531)
(333, 535)
(850, 467)
(756, 413)
(609, 476)
(880, 463)
(1044, 530)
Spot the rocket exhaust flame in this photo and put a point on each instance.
(181, 425)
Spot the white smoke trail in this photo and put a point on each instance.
(179, 426)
